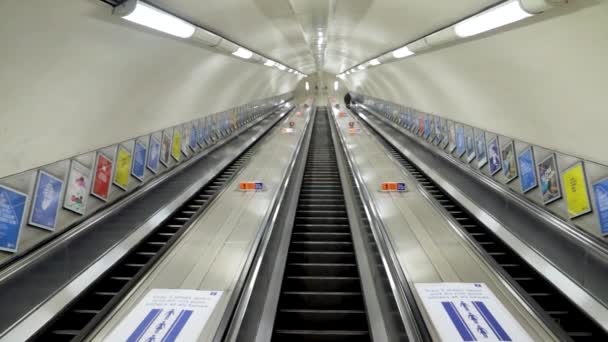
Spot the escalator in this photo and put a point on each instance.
(321, 297)
(574, 324)
(80, 317)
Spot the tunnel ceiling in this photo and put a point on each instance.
(323, 35)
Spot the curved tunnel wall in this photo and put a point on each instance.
(542, 81)
(73, 78)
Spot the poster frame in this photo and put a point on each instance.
(114, 181)
(94, 173)
(74, 162)
(22, 220)
(136, 176)
(511, 145)
(35, 197)
(531, 150)
(494, 141)
(582, 164)
(559, 186)
(152, 141)
(481, 137)
(603, 232)
(173, 154)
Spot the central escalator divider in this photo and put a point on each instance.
(321, 297)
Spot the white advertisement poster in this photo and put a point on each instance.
(167, 315)
(469, 312)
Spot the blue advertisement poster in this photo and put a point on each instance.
(154, 155)
(193, 138)
(427, 127)
(12, 209)
(527, 170)
(46, 201)
(138, 167)
(482, 157)
(600, 189)
(494, 156)
(460, 141)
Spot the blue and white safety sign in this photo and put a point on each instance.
(469, 312)
(167, 315)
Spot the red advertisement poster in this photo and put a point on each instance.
(421, 125)
(103, 178)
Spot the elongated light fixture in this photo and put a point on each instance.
(495, 17)
(160, 20)
(281, 67)
(402, 52)
(374, 61)
(269, 63)
(243, 53)
(361, 67)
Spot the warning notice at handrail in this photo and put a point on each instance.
(469, 312)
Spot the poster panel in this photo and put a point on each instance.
(444, 133)
(427, 126)
(527, 169)
(176, 145)
(575, 190)
(123, 168)
(12, 210)
(138, 168)
(193, 138)
(45, 206)
(509, 164)
(494, 156)
(153, 155)
(102, 177)
(469, 312)
(470, 142)
(186, 140)
(548, 176)
(167, 315)
(165, 149)
(77, 188)
(482, 156)
(421, 122)
(438, 132)
(600, 190)
(452, 137)
(460, 141)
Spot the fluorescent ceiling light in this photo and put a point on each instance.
(361, 67)
(157, 19)
(336, 85)
(374, 61)
(402, 52)
(307, 86)
(243, 53)
(281, 67)
(269, 63)
(495, 17)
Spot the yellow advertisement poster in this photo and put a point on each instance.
(177, 144)
(575, 188)
(123, 168)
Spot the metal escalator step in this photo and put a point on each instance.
(321, 270)
(327, 320)
(325, 236)
(320, 283)
(321, 246)
(321, 257)
(322, 300)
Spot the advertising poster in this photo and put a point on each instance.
(45, 206)
(509, 163)
(482, 156)
(139, 161)
(452, 136)
(549, 179)
(186, 140)
(470, 142)
(193, 138)
(102, 179)
(176, 145)
(464, 312)
(494, 156)
(123, 168)
(12, 210)
(438, 133)
(153, 155)
(600, 189)
(461, 147)
(167, 315)
(77, 188)
(444, 133)
(575, 190)
(165, 149)
(427, 126)
(421, 123)
(527, 170)
(201, 134)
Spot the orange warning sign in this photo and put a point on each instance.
(251, 186)
(393, 186)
